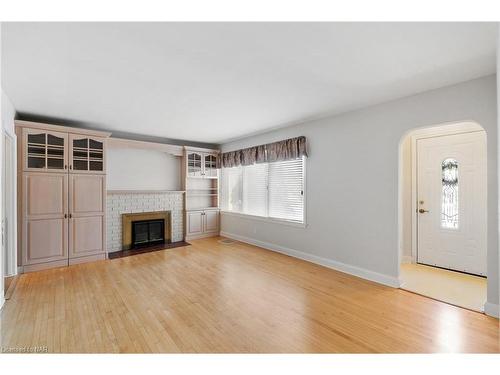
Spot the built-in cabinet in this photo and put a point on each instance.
(62, 195)
(87, 154)
(201, 164)
(201, 183)
(202, 223)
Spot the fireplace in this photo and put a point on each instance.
(141, 229)
(148, 232)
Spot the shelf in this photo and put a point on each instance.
(201, 195)
(43, 156)
(202, 208)
(84, 149)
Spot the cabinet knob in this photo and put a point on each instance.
(65, 166)
(65, 216)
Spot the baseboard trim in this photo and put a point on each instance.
(338, 266)
(492, 309)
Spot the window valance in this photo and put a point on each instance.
(287, 149)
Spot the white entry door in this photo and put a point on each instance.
(451, 202)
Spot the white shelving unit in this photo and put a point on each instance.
(201, 183)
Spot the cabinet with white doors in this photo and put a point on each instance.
(201, 183)
(61, 195)
(203, 223)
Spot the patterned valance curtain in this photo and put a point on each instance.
(288, 149)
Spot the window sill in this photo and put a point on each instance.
(265, 219)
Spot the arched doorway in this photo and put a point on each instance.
(442, 215)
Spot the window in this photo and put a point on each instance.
(274, 190)
(449, 197)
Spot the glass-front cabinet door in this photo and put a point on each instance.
(194, 164)
(87, 154)
(210, 165)
(45, 150)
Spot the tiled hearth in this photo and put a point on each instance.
(121, 202)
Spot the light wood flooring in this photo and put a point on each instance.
(211, 297)
(457, 288)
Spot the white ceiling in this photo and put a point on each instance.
(211, 82)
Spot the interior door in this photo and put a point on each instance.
(45, 217)
(86, 221)
(451, 206)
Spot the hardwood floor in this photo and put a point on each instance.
(210, 297)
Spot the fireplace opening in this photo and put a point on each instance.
(148, 232)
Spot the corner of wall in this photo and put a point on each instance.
(492, 309)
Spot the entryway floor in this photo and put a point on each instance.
(448, 286)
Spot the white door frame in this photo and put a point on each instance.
(9, 209)
(428, 132)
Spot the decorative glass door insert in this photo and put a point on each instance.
(449, 197)
(87, 154)
(45, 151)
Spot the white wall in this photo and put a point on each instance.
(136, 169)
(495, 308)
(352, 179)
(7, 114)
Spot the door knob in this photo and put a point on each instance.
(422, 210)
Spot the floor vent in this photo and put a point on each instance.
(227, 241)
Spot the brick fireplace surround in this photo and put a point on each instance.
(123, 202)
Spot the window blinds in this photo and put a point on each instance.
(286, 190)
(274, 190)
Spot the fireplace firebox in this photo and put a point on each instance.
(148, 232)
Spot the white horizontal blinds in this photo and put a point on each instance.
(268, 189)
(286, 190)
(255, 189)
(232, 188)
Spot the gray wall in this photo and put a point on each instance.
(352, 178)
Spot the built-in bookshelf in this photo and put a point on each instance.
(201, 183)
(202, 193)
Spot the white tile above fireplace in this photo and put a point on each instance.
(132, 201)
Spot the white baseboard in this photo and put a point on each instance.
(492, 309)
(342, 267)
